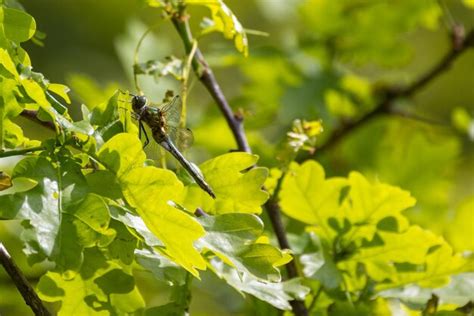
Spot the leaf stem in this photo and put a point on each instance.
(19, 152)
(21, 283)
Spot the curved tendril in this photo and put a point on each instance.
(184, 87)
(137, 50)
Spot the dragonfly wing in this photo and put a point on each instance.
(172, 111)
(182, 137)
(185, 138)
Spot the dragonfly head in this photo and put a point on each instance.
(138, 102)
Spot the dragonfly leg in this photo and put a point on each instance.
(141, 128)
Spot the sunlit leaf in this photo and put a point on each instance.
(462, 226)
(8, 63)
(150, 191)
(224, 21)
(60, 90)
(276, 294)
(101, 288)
(368, 204)
(308, 197)
(232, 238)
(18, 25)
(237, 191)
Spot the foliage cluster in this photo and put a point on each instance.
(97, 212)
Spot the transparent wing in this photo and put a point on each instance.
(172, 112)
(182, 137)
(185, 138)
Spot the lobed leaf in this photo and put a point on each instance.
(151, 190)
(277, 294)
(308, 197)
(225, 22)
(232, 237)
(102, 287)
(236, 191)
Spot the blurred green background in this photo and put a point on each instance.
(321, 60)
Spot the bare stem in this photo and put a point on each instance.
(206, 76)
(19, 152)
(21, 283)
(33, 116)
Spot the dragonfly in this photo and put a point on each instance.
(164, 124)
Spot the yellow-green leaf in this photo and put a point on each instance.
(237, 191)
(18, 25)
(34, 91)
(8, 63)
(368, 204)
(308, 197)
(460, 230)
(122, 153)
(60, 90)
(150, 190)
(224, 21)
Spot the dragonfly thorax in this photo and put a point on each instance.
(138, 102)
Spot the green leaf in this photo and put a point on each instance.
(41, 206)
(236, 191)
(172, 66)
(11, 107)
(162, 268)
(298, 198)
(104, 182)
(439, 264)
(105, 112)
(224, 21)
(459, 231)
(410, 246)
(368, 204)
(232, 238)
(122, 153)
(35, 92)
(277, 294)
(322, 269)
(60, 90)
(7, 62)
(61, 218)
(18, 25)
(101, 288)
(150, 190)
(136, 223)
(13, 134)
(458, 292)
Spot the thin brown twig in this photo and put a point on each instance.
(206, 76)
(33, 116)
(235, 122)
(21, 283)
(460, 43)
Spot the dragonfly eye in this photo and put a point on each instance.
(138, 102)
